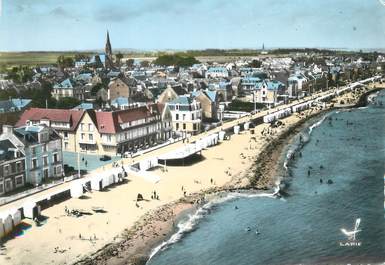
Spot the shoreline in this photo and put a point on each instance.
(265, 175)
(262, 175)
(128, 233)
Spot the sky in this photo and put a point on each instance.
(53, 25)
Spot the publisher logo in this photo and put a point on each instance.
(351, 236)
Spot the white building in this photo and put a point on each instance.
(186, 115)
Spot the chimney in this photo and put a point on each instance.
(7, 129)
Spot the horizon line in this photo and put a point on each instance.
(203, 49)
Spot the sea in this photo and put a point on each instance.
(305, 225)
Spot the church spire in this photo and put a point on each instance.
(108, 48)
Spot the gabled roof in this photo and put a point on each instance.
(6, 150)
(58, 115)
(29, 134)
(109, 121)
(65, 84)
(14, 104)
(85, 77)
(212, 94)
(181, 100)
(271, 85)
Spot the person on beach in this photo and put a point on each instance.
(211, 181)
(308, 172)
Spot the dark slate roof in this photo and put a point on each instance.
(6, 152)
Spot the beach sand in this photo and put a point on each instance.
(127, 232)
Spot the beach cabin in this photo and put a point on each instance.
(76, 190)
(31, 210)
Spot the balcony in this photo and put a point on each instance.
(86, 141)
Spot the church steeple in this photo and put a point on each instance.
(108, 48)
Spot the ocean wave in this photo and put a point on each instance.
(192, 221)
(318, 123)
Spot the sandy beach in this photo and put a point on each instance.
(127, 230)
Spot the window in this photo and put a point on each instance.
(33, 150)
(109, 137)
(1, 188)
(176, 116)
(19, 167)
(55, 158)
(45, 148)
(82, 136)
(177, 126)
(192, 116)
(184, 126)
(58, 170)
(91, 137)
(90, 127)
(19, 180)
(45, 160)
(34, 163)
(65, 145)
(184, 116)
(65, 135)
(6, 170)
(82, 126)
(194, 127)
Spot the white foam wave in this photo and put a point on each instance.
(318, 123)
(193, 219)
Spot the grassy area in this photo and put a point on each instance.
(9, 59)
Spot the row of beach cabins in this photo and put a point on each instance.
(271, 117)
(11, 219)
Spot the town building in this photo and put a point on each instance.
(42, 148)
(65, 122)
(105, 132)
(63, 89)
(12, 167)
(186, 115)
(217, 72)
(268, 92)
(209, 102)
(121, 87)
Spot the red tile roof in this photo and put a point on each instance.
(57, 115)
(109, 122)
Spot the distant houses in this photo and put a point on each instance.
(14, 105)
(217, 72)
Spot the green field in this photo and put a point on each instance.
(9, 59)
